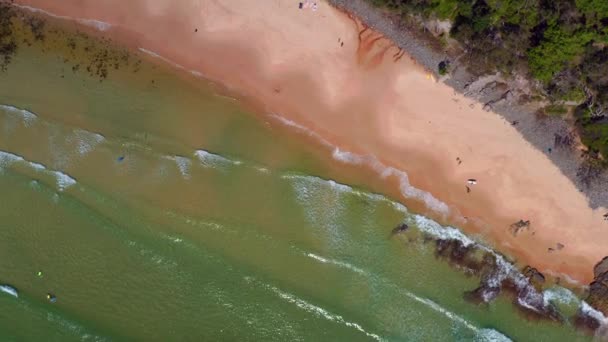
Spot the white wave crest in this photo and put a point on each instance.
(9, 290)
(166, 60)
(482, 334)
(99, 25)
(440, 232)
(336, 262)
(7, 158)
(318, 311)
(63, 180)
(27, 117)
(341, 188)
(559, 294)
(213, 160)
(183, 164)
(406, 189)
(197, 73)
(587, 310)
(490, 335)
(85, 141)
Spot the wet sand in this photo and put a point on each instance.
(365, 96)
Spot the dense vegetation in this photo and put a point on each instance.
(561, 43)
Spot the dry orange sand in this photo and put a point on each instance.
(367, 97)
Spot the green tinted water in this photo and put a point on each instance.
(187, 218)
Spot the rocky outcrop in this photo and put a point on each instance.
(400, 229)
(535, 278)
(497, 276)
(601, 267)
(598, 289)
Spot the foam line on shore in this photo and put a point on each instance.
(97, 24)
(384, 171)
(166, 60)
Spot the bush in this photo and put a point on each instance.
(443, 68)
(555, 110)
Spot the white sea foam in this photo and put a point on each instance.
(85, 141)
(197, 223)
(213, 160)
(74, 328)
(262, 169)
(301, 128)
(99, 25)
(336, 262)
(63, 180)
(437, 231)
(37, 166)
(28, 118)
(406, 189)
(341, 188)
(152, 256)
(490, 335)
(384, 171)
(322, 213)
(482, 334)
(197, 73)
(166, 60)
(587, 310)
(7, 158)
(9, 290)
(320, 312)
(558, 294)
(183, 164)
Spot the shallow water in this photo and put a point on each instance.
(158, 209)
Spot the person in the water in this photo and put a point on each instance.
(51, 297)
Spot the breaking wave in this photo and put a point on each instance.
(406, 189)
(183, 164)
(9, 290)
(315, 310)
(587, 310)
(85, 141)
(63, 181)
(27, 117)
(438, 231)
(339, 187)
(209, 159)
(482, 334)
(166, 60)
(99, 25)
(336, 262)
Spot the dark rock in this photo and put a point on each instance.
(585, 322)
(400, 229)
(452, 249)
(598, 289)
(532, 302)
(601, 267)
(535, 278)
(482, 294)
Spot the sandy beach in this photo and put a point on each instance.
(327, 74)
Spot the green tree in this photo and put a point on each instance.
(557, 49)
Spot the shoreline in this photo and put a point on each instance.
(543, 133)
(388, 149)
